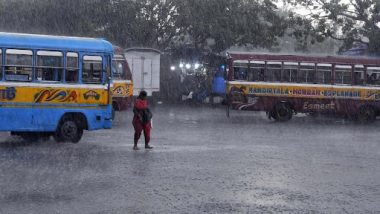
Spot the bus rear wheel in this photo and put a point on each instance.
(68, 131)
(366, 114)
(282, 112)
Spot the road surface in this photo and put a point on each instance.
(202, 163)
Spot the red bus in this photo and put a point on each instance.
(283, 85)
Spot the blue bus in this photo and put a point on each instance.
(54, 86)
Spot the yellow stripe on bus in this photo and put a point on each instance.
(306, 91)
(19, 94)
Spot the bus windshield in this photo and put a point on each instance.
(121, 70)
(118, 69)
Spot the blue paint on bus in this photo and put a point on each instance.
(32, 41)
(33, 119)
(44, 116)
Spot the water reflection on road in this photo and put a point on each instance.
(202, 162)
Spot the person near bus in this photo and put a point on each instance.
(142, 120)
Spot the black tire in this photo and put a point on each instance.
(68, 131)
(282, 112)
(366, 114)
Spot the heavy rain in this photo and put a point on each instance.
(189, 106)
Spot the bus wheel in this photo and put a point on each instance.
(68, 131)
(282, 112)
(366, 114)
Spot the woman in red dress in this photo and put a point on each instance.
(142, 120)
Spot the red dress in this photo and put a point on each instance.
(137, 122)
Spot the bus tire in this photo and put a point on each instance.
(68, 131)
(366, 114)
(282, 112)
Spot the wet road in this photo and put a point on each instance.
(202, 163)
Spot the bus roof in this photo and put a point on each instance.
(346, 60)
(33, 41)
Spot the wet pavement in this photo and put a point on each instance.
(202, 162)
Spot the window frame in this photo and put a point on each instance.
(72, 54)
(22, 52)
(55, 53)
(92, 57)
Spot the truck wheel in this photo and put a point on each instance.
(68, 131)
(366, 114)
(282, 112)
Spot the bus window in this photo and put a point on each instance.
(49, 66)
(343, 74)
(323, 74)
(92, 69)
(240, 71)
(273, 72)
(373, 75)
(118, 70)
(256, 72)
(289, 73)
(306, 73)
(18, 65)
(359, 75)
(1, 64)
(72, 67)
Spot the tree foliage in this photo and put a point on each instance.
(350, 21)
(219, 24)
(214, 25)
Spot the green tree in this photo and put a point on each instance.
(220, 24)
(213, 25)
(69, 17)
(353, 21)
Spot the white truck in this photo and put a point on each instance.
(145, 66)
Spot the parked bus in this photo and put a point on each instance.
(54, 86)
(283, 85)
(122, 90)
